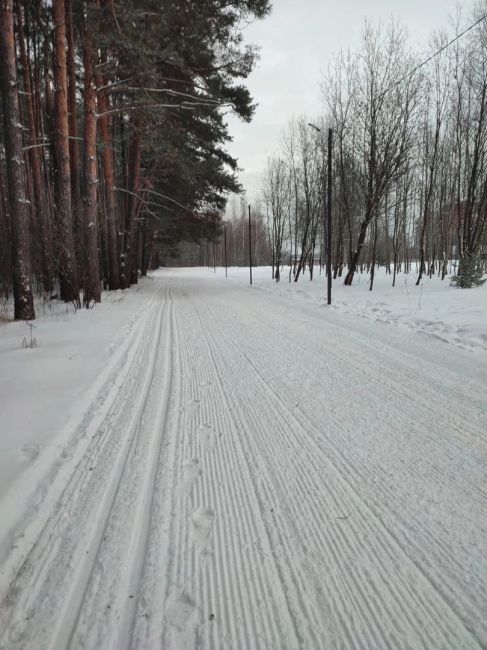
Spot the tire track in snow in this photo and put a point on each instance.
(43, 602)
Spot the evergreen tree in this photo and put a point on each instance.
(470, 274)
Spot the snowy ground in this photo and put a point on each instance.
(202, 464)
(434, 307)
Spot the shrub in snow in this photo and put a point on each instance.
(470, 273)
(32, 342)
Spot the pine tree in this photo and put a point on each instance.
(68, 275)
(470, 273)
(17, 196)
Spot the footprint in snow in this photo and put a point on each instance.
(202, 520)
(180, 608)
(181, 613)
(191, 472)
(206, 437)
(192, 408)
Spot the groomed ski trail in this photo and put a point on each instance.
(263, 476)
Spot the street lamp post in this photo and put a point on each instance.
(225, 247)
(328, 210)
(250, 248)
(328, 215)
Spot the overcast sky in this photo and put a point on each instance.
(297, 42)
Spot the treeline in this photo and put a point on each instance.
(409, 176)
(112, 149)
(237, 241)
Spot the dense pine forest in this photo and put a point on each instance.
(114, 134)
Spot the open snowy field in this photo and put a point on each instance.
(204, 464)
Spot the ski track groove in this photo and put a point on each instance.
(116, 587)
(59, 547)
(147, 629)
(49, 480)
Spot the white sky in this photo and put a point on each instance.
(297, 42)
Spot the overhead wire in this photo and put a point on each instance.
(420, 65)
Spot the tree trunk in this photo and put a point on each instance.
(23, 298)
(40, 203)
(374, 252)
(143, 265)
(105, 131)
(90, 182)
(5, 239)
(356, 254)
(68, 276)
(133, 203)
(74, 157)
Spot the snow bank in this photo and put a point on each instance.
(45, 389)
(434, 308)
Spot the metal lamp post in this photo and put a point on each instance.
(225, 247)
(250, 248)
(328, 210)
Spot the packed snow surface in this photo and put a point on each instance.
(204, 464)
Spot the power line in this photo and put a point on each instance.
(420, 65)
(435, 54)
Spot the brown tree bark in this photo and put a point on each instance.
(68, 276)
(34, 156)
(92, 290)
(132, 226)
(23, 298)
(74, 154)
(106, 140)
(5, 239)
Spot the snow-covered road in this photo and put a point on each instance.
(256, 473)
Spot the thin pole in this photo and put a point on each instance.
(225, 247)
(328, 211)
(250, 248)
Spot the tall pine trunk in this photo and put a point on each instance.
(74, 155)
(19, 214)
(68, 276)
(5, 246)
(90, 180)
(34, 154)
(106, 139)
(133, 183)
